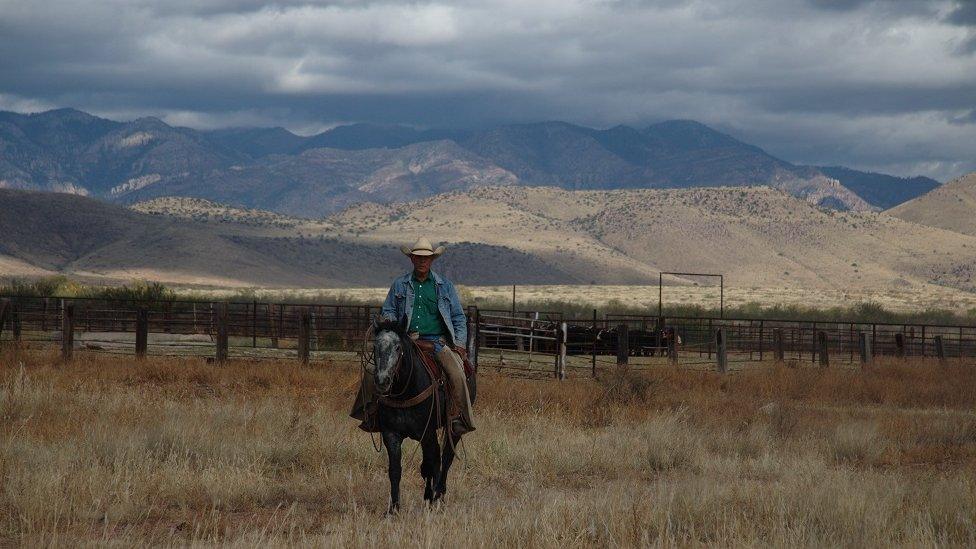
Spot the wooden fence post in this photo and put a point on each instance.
(272, 329)
(864, 342)
(813, 343)
(900, 345)
(142, 332)
(710, 338)
(940, 349)
(476, 348)
(472, 343)
(168, 317)
(923, 340)
(15, 320)
(593, 347)
(222, 328)
(673, 347)
(313, 328)
(304, 329)
(623, 347)
(822, 344)
(762, 329)
(721, 354)
(658, 335)
(4, 309)
(562, 350)
(254, 323)
(778, 350)
(67, 330)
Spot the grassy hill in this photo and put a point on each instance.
(188, 241)
(951, 206)
(62, 233)
(758, 237)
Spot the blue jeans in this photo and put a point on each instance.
(438, 341)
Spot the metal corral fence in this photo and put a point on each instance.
(524, 343)
(214, 329)
(572, 348)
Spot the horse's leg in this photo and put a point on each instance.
(446, 460)
(392, 441)
(431, 466)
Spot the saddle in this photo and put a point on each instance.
(429, 358)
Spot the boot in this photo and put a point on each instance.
(371, 420)
(458, 428)
(365, 408)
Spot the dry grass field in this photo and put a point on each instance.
(903, 300)
(107, 451)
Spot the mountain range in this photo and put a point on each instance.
(67, 150)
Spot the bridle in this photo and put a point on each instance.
(370, 359)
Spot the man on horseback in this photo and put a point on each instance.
(428, 304)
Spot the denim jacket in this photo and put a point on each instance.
(399, 306)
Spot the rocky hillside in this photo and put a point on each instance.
(756, 236)
(319, 181)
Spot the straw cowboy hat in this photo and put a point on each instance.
(422, 247)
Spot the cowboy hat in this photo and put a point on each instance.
(422, 247)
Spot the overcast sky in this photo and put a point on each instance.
(885, 85)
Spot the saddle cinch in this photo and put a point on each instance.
(428, 356)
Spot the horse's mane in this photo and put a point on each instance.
(385, 324)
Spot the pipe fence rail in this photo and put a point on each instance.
(525, 343)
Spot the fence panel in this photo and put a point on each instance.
(524, 342)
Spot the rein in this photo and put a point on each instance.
(394, 401)
(391, 401)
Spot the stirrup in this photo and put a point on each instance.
(459, 428)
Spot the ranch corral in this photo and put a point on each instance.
(523, 343)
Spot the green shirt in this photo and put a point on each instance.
(425, 318)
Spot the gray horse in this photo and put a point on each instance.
(405, 412)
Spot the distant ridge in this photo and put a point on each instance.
(883, 191)
(495, 235)
(951, 206)
(67, 150)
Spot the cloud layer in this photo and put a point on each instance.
(885, 85)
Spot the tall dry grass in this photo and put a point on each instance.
(108, 451)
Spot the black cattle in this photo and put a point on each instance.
(583, 340)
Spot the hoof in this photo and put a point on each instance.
(392, 511)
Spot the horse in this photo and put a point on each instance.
(404, 412)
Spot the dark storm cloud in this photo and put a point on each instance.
(869, 83)
(964, 14)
